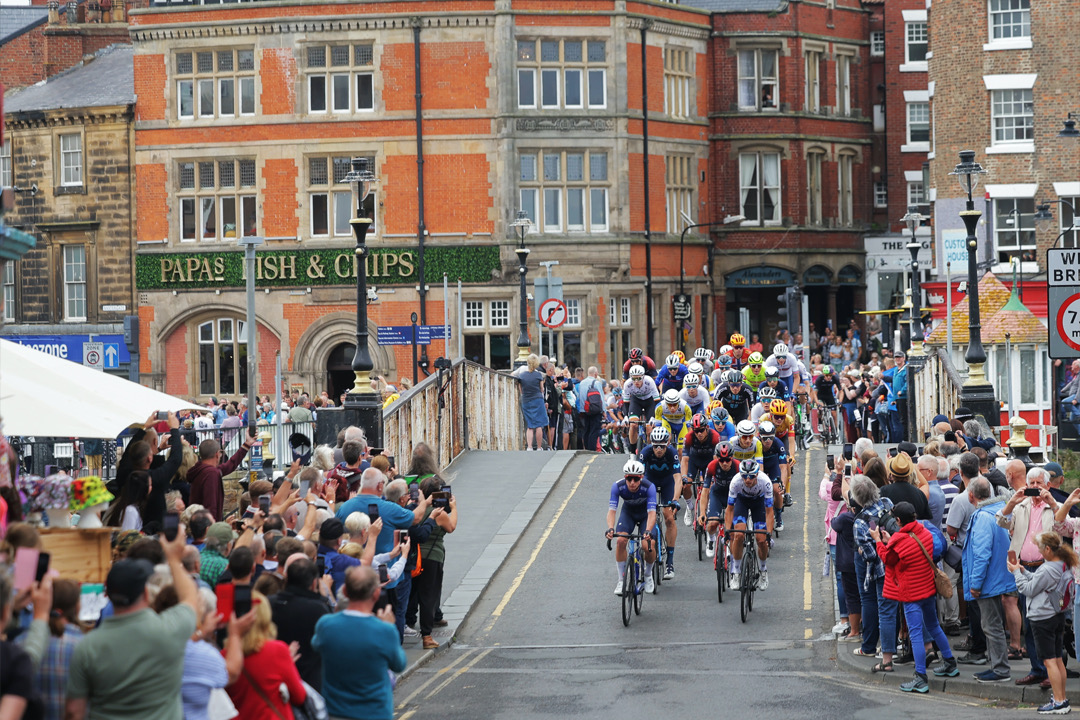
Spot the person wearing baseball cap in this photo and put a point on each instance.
(334, 563)
(129, 666)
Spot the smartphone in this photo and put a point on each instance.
(404, 538)
(893, 452)
(1032, 492)
(225, 593)
(830, 461)
(171, 526)
(242, 600)
(264, 504)
(373, 512)
(162, 414)
(847, 471)
(384, 575)
(320, 564)
(441, 499)
(849, 450)
(42, 567)
(26, 561)
(446, 489)
(414, 494)
(393, 464)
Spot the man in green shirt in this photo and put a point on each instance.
(131, 667)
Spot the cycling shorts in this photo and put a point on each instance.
(629, 523)
(642, 408)
(718, 495)
(665, 490)
(696, 467)
(750, 508)
(678, 432)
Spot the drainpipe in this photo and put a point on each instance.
(646, 23)
(421, 226)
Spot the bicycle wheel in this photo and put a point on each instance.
(744, 586)
(700, 541)
(661, 554)
(628, 588)
(639, 583)
(755, 573)
(721, 572)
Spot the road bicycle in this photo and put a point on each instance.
(749, 573)
(633, 590)
(661, 549)
(720, 561)
(804, 429)
(830, 435)
(697, 491)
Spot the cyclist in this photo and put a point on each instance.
(639, 395)
(638, 357)
(780, 413)
(787, 365)
(735, 396)
(772, 380)
(693, 395)
(754, 373)
(717, 481)
(696, 368)
(662, 470)
(827, 392)
(697, 453)
(745, 445)
(674, 415)
(776, 464)
(705, 357)
(739, 354)
(720, 421)
(723, 364)
(750, 499)
(670, 377)
(638, 512)
(765, 397)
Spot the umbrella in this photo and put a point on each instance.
(47, 396)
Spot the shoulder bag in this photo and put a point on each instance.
(942, 583)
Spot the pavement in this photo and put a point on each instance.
(542, 636)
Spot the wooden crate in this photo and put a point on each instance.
(82, 555)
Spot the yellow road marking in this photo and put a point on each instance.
(539, 546)
(461, 671)
(464, 669)
(464, 656)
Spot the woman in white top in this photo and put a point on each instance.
(126, 512)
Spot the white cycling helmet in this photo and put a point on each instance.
(767, 429)
(701, 354)
(633, 467)
(726, 349)
(673, 361)
(696, 368)
(637, 371)
(692, 380)
(748, 467)
(671, 397)
(766, 393)
(746, 427)
(724, 361)
(780, 349)
(772, 373)
(659, 436)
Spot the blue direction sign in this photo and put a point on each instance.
(402, 334)
(70, 347)
(112, 356)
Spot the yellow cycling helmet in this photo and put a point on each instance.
(756, 358)
(713, 404)
(778, 407)
(679, 354)
(737, 340)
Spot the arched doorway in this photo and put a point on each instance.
(339, 372)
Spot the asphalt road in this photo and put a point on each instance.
(547, 641)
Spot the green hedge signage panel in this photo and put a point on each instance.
(303, 268)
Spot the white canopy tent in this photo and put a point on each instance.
(46, 396)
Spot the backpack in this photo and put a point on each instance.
(594, 401)
(939, 539)
(1064, 590)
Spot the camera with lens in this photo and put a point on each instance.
(442, 363)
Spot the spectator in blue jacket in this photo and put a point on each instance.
(986, 576)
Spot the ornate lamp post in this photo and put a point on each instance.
(363, 402)
(914, 220)
(521, 224)
(977, 394)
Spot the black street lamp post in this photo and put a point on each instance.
(521, 225)
(916, 357)
(977, 394)
(362, 403)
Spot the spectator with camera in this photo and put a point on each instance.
(432, 553)
(296, 611)
(879, 612)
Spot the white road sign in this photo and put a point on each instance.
(552, 313)
(93, 355)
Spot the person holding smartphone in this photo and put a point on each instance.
(428, 584)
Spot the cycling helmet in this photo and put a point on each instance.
(826, 369)
(679, 354)
(633, 468)
(748, 467)
(756, 358)
(719, 415)
(723, 450)
(659, 436)
(701, 354)
(673, 361)
(637, 371)
(746, 427)
(723, 361)
(699, 422)
(772, 373)
(696, 368)
(766, 429)
(766, 393)
(692, 380)
(637, 354)
(671, 397)
(778, 407)
(737, 340)
(780, 349)
(713, 405)
(726, 350)
(732, 377)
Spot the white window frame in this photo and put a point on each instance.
(210, 200)
(1070, 238)
(812, 86)
(916, 109)
(1023, 223)
(324, 71)
(625, 316)
(71, 159)
(915, 33)
(679, 185)
(591, 73)
(877, 43)
(916, 193)
(548, 199)
(75, 288)
(1004, 122)
(335, 189)
(1019, 34)
(217, 79)
(678, 81)
(573, 312)
(237, 338)
(760, 158)
(499, 313)
(474, 314)
(881, 194)
(757, 81)
(843, 83)
(9, 291)
(6, 164)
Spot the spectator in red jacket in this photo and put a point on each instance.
(207, 489)
(909, 578)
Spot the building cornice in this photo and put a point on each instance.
(69, 117)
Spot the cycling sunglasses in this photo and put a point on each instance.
(755, 365)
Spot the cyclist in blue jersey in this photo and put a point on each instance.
(639, 395)
(694, 395)
(717, 481)
(772, 380)
(776, 464)
(670, 377)
(662, 470)
(638, 512)
(735, 396)
(750, 499)
(720, 421)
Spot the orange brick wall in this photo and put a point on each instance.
(573, 6)
(146, 316)
(279, 198)
(454, 76)
(328, 130)
(602, 335)
(665, 260)
(457, 197)
(151, 202)
(21, 60)
(150, 87)
(278, 75)
(269, 346)
(654, 57)
(657, 206)
(177, 363)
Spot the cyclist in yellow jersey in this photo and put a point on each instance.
(746, 446)
(674, 415)
(754, 372)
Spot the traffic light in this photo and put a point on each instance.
(790, 305)
(785, 317)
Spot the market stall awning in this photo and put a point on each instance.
(47, 396)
